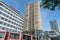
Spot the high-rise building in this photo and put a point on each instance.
(54, 25)
(10, 19)
(32, 17)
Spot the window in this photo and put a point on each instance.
(1, 22)
(10, 18)
(5, 23)
(0, 27)
(16, 17)
(8, 24)
(8, 13)
(1, 8)
(3, 28)
(26, 37)
(19, 28)
(5, 19)
(11, 15)
(16, 24)
(4, 14)
(0, 12)
(6, 29)
(1, 34)
(2, 18)
(7, 16)
(9, 21)
(11, 25)
(15, 20)
(15, 27)
(12, 22)
(14, 36)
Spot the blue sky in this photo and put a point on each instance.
(47, 15)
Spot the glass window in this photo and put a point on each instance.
(2, 18)
(5, 23)
(11, 25)
(8, 24)
(0, 27)
(8, 13)
(15, 27)
(19, 28)
(14, 36)
(10, 18)
(11, 15)
(15, 20)
(7, 16)
(7, 29)
(0, 12)
(12, 22)
(9, 21)
(4, 14)
(5, 19)
(1, 22)
(1, 8)
(1, 34)
(15, 23)
(3, 28)
(16, 17)
(26, 37)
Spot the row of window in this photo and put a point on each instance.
(11, 14)
(11, 10)
(6, 24)
(5, 19)
(10, 21)
(4, 28)
(10, 18)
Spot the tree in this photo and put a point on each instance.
(50, 4)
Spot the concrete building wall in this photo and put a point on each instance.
(32, 17)
(10, 19)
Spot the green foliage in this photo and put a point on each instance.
(50, 4)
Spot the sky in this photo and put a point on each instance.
(46, 14)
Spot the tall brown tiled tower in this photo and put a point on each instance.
(32, 17)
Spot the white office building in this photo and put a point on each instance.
(10, 19)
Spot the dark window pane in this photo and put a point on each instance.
(2, 18)
(4, 23)
(1, 22)
(1, 34)
(26, 37)
(14, 36)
